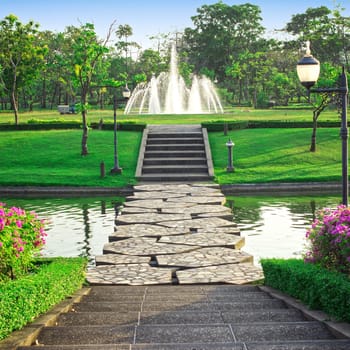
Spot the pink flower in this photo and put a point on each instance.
(19, 223)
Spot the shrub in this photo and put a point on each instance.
(312, 284)
(22, 236)
(26, 298)
(329, 239)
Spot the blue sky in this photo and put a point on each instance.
(146, 17)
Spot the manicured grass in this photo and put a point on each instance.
(232, 114)
(277, 155)
(260, 155)
(53, 158)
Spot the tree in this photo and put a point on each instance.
(220, 34)
(329, 77)
(328, 32)
(21, 56)
(87, 51)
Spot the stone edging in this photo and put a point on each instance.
(231, 189)
(339, 329)
(282, 188)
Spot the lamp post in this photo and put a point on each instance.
(308, 70)
(126, 94)
(230, 168)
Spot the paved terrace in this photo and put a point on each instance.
(174, 234)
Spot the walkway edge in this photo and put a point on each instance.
(64, 191)
(228, 189)
(339, 329)
(28, 334)
(282, 188)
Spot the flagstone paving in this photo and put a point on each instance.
(174, 234)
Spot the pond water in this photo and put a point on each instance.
(275, 227)
(272, 226)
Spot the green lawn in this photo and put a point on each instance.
(53, 158)
(232, 114)
(260, 155)
(277, 155)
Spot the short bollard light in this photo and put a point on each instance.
(229, 146)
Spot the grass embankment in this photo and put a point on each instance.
(277, 155)
(260, 155)
(26, 298)
(53, 157)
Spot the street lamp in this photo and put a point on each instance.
(308, 70)
(126, 94)
(230, 168)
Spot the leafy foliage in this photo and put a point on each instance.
(22, 236)
(24, 299)
(313, 285)
(329, 239)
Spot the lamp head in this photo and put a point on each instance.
(308, 68)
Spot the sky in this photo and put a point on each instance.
(146, 17)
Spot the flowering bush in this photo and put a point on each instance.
(329, 238)
(22, 236)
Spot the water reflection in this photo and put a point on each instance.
(276, 227)
(76, 226)
(272, 226)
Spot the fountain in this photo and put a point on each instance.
(168, 94)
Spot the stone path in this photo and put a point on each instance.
(174, 234)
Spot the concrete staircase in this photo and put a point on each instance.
(174, 153)
(208, 317)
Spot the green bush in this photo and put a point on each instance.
(22, 236)
(35, 124)
(329, 239)
(218, 125)
(24, 299)
(315, 286)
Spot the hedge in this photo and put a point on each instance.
(316, 287)
(54, 125)
(24, 299)
(234, 125)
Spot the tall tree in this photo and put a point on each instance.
(21, 56)
(328, 32)
(87, 51)
(222, 32)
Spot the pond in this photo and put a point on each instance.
(272, 226)
(275, 227)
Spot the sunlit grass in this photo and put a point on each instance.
(232, 114)
(260, 155)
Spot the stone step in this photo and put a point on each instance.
(285, 345)
(178, 317)
(175, 161)
(174, 147)
(175, 154)
(190, 297)
(183, 333)
(180, 305)
(175, 134)
(174, 169)
(176, 177)
(174, 140)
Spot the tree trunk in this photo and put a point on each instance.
(313, 136)
(84, 148)
(43, 95)
(15, 106)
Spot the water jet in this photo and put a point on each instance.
(168, 94)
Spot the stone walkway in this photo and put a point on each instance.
(174, 234)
